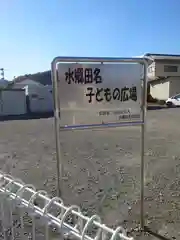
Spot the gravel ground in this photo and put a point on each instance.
(102, 168)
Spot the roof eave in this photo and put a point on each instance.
(154, 56)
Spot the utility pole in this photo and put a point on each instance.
(2, 73)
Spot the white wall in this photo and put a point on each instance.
(40, 98)
(165, 89)
(160, 90)
(12, 102)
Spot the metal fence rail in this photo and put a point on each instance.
(29, 214)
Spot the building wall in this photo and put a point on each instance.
(165, 88)
(167, 69)
(160, 90)
(40, 98)
(12, 102)
(163, 69)
(174, 86)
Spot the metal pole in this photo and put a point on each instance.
(57, 127)
(143, 135)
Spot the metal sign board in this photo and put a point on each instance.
(90, 94)
(99, 94)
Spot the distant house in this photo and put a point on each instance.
(25, 82)
(164, 75)
(38, 90)
(39, 79)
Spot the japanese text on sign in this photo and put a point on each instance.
(107, 94)
(83, 76)
(88, 75)
(118, 112)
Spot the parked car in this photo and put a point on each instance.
(173, 101)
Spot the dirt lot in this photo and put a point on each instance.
(102, 168)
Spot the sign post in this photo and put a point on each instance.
(99, 93)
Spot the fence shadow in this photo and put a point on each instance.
(156, 107)
(157, 235)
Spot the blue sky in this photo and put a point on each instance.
(33, 32)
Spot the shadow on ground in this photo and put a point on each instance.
(156, 107)
(27, 116)
(51, 114)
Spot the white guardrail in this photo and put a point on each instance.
(29, 214)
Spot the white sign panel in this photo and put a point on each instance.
(96, 94)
